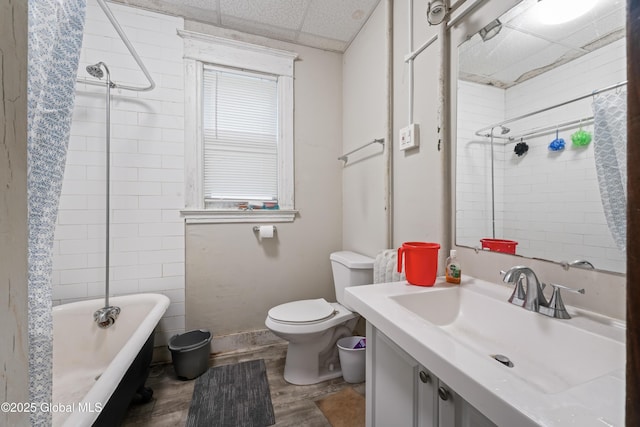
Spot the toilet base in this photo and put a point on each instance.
(313, 362)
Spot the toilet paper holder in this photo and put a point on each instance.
(256, 228)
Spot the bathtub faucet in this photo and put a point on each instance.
(106, 316)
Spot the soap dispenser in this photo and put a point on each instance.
(453, 272)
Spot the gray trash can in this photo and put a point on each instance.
(190, 353)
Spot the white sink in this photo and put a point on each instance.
(565, 372)
(551, 354)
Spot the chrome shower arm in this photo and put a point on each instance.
(132, 51)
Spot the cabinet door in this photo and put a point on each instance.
(392, 389)
(454, 411)
(427, 398)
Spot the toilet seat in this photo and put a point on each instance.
(303, 312)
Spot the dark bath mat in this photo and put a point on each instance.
(232, 395)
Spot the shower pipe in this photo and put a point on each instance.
(504, 131)
(132, 51)
(388, 182)
(106, 316)
(482, 131)
(446, 24)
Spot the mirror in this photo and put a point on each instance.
(541, 134)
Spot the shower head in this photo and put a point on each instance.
(95, 70)
(504, 130)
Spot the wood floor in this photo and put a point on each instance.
(292, 405)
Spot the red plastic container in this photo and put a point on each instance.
(499, 245)
(420, 262)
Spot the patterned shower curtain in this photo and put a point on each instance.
(55, 39)
(610, 151)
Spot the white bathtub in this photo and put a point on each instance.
(89, 362)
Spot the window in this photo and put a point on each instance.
(238, 131)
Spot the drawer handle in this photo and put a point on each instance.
(443, 393)
(424, 377)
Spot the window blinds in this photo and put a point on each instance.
(240, 132)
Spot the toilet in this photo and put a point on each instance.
(313, 326)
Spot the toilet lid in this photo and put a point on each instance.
(304, 311)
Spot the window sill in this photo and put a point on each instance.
(208, 216)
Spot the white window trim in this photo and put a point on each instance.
(198, 50)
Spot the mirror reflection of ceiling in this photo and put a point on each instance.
(326, 24)
(527, 47)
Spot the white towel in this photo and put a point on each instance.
(385, 267)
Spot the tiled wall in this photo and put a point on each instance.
(551, 201)
(478, 106)
(147, 170)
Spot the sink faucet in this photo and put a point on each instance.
(532, 298)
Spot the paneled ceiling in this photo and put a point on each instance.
(324, 24)
(526, 47)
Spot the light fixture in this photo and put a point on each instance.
(552, 12)
(436, 12)
(491, 30)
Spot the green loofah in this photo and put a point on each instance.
(581, 138)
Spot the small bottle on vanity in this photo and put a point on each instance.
(453, 272)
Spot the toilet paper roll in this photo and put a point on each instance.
(266, 232)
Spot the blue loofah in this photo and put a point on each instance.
(556, 145)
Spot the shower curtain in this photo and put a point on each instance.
(55, 38)
(610, 151)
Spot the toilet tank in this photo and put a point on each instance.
(350, 269)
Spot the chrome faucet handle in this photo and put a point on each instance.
(518, 295)
(556, 306)
(567, 288)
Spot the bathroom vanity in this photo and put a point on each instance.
(461, 355)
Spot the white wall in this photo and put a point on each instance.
(421, 197)
(478, 106)
(365, 102)
(233, 279)
(549, 202)
(147, 170)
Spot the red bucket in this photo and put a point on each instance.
(420, 262)
(499, 245)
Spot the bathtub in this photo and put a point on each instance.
(90, 364)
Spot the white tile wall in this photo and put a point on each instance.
(147, 170)
(550, 201)
(478, 106)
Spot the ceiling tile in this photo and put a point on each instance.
(597, 29)
(338, 19)
(509, 47)
(259, 29)
(287, 14)
(530, 22)
(537, 60)
(525, 44)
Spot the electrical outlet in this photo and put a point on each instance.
(409, 137)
